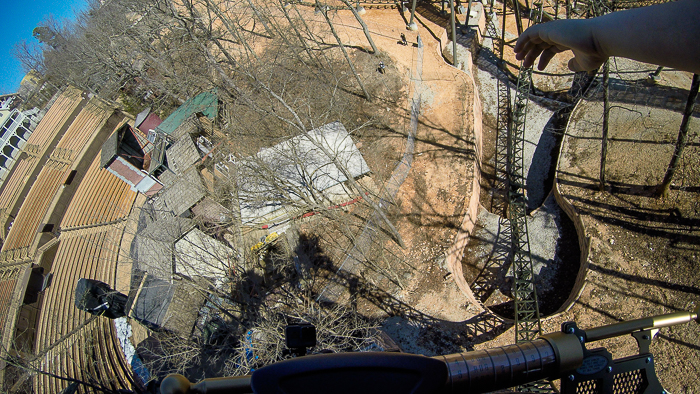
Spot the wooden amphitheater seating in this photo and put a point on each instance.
(8, 279)
(16, 181)
(82, 130)
(89, 247)
(33, 209)
(52, 126)
(100, 198)
(57, 117)
(46, 199)
(92, 351)
(90, 212)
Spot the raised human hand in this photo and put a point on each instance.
(548, 39)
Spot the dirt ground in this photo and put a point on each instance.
(644, 257)
(427, 306)
(644, 252)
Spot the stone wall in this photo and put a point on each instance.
(453, 256)
(455, 253)
(584, 241)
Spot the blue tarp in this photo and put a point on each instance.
(140, 369)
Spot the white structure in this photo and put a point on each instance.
(197, 254)
(300, 168)
(15, 128)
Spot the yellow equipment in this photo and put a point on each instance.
(264, 243)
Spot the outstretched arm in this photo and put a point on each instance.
(665, 34)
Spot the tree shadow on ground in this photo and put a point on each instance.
(622, 209)
(646, 281)
(451, 336)
(554, 279)
(643, 258)
(463, 153)
(634, 91)
(448, 336)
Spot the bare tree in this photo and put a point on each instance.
(257, 93)
(324, 10)
(338, 329)
(30, 56)
(682, 136)
(363, 24)
(606, 122)
(270, 91)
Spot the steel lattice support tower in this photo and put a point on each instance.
(527, 314)
(510, 200)
(527, 311)
(503, 123)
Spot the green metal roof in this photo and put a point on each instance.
(205, 103)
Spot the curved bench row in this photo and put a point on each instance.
(52, 124)
(100, 198)
(8, 280)
(69, 342)
(56, 117)
(13, 185)
(89, 352)
(35, 205)
(89, 120)
(88, 248)
(80, 140)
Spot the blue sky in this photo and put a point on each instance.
(17, 20)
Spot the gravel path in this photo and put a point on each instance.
(548, 226)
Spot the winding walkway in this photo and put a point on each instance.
(362, 245)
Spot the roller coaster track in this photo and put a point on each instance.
(592, 8)
(510, 201)
(578, 8)
(338, 5)
(485, 283)
(510, 176)
(500, 197)
(510, 173)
